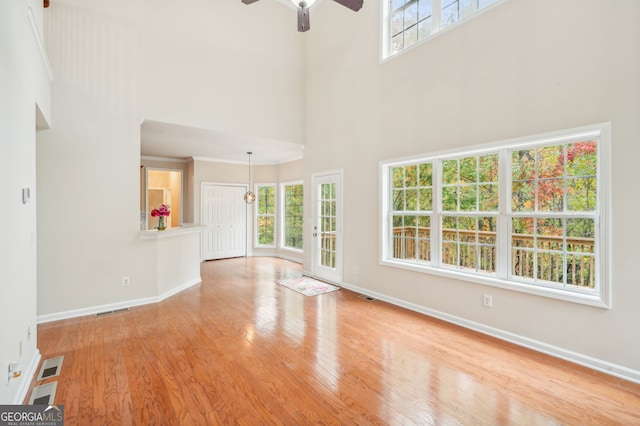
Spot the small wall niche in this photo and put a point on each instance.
(163, 186)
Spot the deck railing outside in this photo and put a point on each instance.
(414, 244)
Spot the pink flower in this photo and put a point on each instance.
(162, 211)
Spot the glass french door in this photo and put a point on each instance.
(327, 226)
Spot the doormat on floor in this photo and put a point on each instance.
(307, 286)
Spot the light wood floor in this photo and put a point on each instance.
(240, 349)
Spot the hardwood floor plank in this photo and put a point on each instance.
(239, 349)
(110, 377)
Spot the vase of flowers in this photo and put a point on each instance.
(161, 212)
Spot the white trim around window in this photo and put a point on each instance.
(265, 214)
(299, 222)
(427, 235)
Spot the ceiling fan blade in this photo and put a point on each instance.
(354, 5)
(303, 17)
(249, 1)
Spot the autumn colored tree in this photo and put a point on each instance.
(293, 215)
(266, 215)
(555, 179)
(547, 182)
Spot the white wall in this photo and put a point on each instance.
(213, 64)
(226, 66)
(23, 82)
(89, 163)
(522, 68)
(290, 171)
(178, 260)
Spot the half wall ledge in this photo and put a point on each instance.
(187, 228)
(177, 255)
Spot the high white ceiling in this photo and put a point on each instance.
(166, 140)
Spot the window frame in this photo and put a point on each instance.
(283, 216)
(600, 296)
(257, 215)
(386, 51)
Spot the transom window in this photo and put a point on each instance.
(409, 21)
(528, 215)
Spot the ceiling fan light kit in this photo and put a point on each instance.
(303, 10)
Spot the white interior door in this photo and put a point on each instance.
(224, 219)
(327, 226)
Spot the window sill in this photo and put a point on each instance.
(596, 300)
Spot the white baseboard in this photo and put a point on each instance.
(115, 306)
(571, 356)
(278, 255)
(290, 259)
(27, 378)
(178, 289)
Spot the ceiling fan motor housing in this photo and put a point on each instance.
(303, 11)
(303, 17)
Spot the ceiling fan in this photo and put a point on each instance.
(303, 9)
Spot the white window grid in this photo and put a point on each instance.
(503, 276)
(408, 22)
(283, 215)
(259, 215)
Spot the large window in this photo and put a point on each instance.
(529, 214)
(293, 215)
(411, 206)
(410, 21)
(265, 215)
(469, 195)
(554, 212)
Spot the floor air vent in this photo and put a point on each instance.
(44, 394)
(99, 314)
(365, 297)
(50, 368)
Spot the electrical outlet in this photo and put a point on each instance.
(28, 333)
(487, 301)
(126, 282)
(14, 370)
(20, 349)
(357, 269)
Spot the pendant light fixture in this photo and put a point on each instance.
(249, 197)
